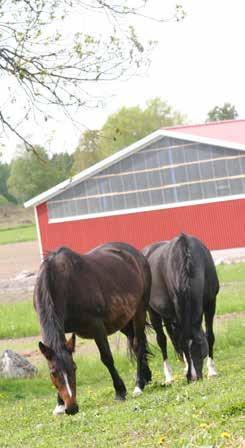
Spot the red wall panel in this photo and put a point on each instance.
(220, 225)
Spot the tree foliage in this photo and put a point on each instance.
(4, 174)
(123, 128)
(88, 151)
(44, 62)
(32, 173)
(225, 112)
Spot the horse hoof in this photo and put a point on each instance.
(212, 374)
(137, 391)
(120, 397)
(193, 379)
(168, 382)
(59, 409)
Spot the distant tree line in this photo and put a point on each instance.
(32, 172)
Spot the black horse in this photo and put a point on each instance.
(184, 287)
(93, 296)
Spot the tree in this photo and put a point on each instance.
(131, 124)
(225, 112)
(61, 165)
(33, 172)
(88, 151)
(29, 174)
(45, 63)
(123, 128)
(4, 174)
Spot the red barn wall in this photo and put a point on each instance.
(219, 225)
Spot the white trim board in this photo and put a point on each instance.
(39, 238)
(119, 155)
(146, 209)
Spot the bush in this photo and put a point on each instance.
(3, 201)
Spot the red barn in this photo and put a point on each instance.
(185, 178)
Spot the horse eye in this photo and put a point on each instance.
(53, 372)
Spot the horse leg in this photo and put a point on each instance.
(107, 359)
(209, 318)
(146, 372)
(156, 322)
(190, 370)
(60, 407)
(139, 347)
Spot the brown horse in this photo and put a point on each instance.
(93, 296)
(184, 288)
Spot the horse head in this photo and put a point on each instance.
(198, 351)
(63, 373)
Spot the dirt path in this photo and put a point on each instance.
(19, 264)
(18, 257)
(28, 346)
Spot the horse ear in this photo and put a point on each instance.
(46, 351)
(70, 345)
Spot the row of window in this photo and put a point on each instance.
(146, 198)
(154, 176)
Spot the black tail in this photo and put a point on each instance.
(52, 327)
(183, 270)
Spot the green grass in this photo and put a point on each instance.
(231, 272)
(231, 298)
(18, 320)
(205, 414)
(18, 234)
(14, 322)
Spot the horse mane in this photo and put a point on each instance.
(51, 319)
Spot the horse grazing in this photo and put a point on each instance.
(184, 287)
(92, 295)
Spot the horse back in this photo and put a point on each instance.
(161, 297)
(124, 268)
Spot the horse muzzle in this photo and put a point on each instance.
(72, 410)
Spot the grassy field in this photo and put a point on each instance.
(231, 299)
(206, 414)
(12, 216)
(18, 234)
(17, 224)
(14, 322)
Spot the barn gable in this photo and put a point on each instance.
(166, 171)
(170, 181)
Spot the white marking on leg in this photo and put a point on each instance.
(167, 372)
(67, 385)
(59, 409)
(193, 372)
(137, 391)
(186, 364)
(211, 367)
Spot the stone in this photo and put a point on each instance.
(13, 365)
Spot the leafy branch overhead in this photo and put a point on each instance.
(46, 60)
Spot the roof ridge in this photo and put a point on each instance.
(209, 123)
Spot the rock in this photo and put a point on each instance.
(13, 365)
(24, 275)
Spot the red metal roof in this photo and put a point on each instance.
(228, 130)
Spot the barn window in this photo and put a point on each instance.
(168, 171)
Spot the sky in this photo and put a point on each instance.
(196, 65)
